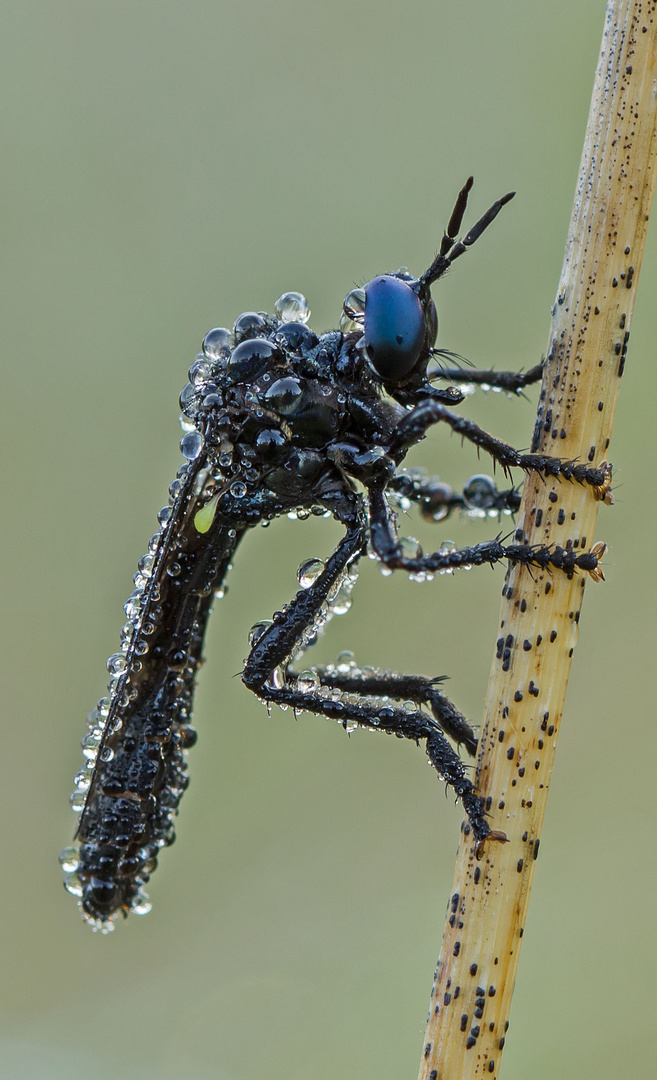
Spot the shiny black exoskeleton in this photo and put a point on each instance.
(278, 420)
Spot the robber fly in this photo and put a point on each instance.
(280, 421)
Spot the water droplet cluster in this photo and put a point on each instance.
(338, 600)
(376, 706)
(437, 500)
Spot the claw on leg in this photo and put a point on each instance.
(496, 835)
(603, 491)
(598, 550)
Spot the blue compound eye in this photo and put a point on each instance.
(395, 327)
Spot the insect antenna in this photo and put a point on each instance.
(458, 213)
(450, 248)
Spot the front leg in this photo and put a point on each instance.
(416, 423)
(512, 382)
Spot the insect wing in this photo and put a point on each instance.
(136, 747)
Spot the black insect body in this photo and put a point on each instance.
(280, 421)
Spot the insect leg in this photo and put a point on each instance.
(390, 551)
(510, 381)
(272, 651)
(417, 422)
(416, 688)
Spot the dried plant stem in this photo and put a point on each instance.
(476, 972)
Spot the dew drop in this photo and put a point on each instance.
(73, 885)
(307, 681)
(479, 492)
(348, 325)
(277, 678)
(82, 779)
(436, 505)
(258, 629)
(90, 743)
(446, 548)
(191, 445)
(410, 547)
(284, 396)
(248, 325)
(309, 572)
(341, 602)
(141, 905)
(217, 343)
(98, 926)
(116, 664)
(292, 307)
(186, 400)
(354, 304)
(132, 608)
(200, 371)
(69, 860)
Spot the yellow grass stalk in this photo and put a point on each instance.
(476, 972)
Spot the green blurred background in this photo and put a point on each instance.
(165, 167)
